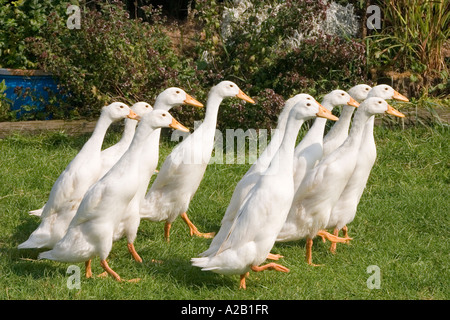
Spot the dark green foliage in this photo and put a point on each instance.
(19, 20)
(264, 48)
(110, 58)
(115, 57)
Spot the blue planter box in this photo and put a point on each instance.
(28, 90)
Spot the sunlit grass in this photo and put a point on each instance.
(402, 226)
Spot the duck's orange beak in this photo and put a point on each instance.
(325, 113)
(191, 101)
(352, 102)
(394, 112)
(133, 115)
(398, 96)
(243, 96)
(178, 126)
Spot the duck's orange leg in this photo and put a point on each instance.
(110, 271)
(87, 265)
(345, 232)
(333, 244)
(242, 281)
(133, 252)
(167, 227)
(193, 229)
(270, 266)
(328, 236)
(273, 256)
(309, 243)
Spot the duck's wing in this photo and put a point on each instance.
(249, 219)
(92, 200)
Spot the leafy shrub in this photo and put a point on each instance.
(281, 45)
(110, 58)
(5, 103)
(272, 51)
(19, 20)
(262, 115)
(337, 63)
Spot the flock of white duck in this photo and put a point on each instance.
(291, 192)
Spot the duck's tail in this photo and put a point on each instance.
(35, 242)
(212, 250)
(200, 262)
(203, 263)
(47, 255)
(37, 212)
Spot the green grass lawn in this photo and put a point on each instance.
(402, 227)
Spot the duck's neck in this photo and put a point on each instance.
(275, 141)
(138, 142)
(98, 135)
(356, 132)
(152, 143)
(283, 118)
(368, 129)
(368, 140)
(317, 129)
(315, 133)
(160, 104)
(342, 125)
(128, 131)
(283, 160)
(212, 108)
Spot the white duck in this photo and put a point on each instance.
(112, 154)
(310, 149)
(252, 176)
(339, 131)
(91, 231)
(264, 210)
(322, 186)
(307, 153)
(71, 185)
(344, 210)
(183, 170)
(149, 157)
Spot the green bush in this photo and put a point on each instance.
(21, 19)
(110, 58)
(113, 57)
(279, 45)
(273, 51)
(5, 103)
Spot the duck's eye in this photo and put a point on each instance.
(121, 107)
(379, 102)
(367, 89)
(386, 89)
(342, 94)
(308, 104)
(177, 92)
(163, 114)
(308, 98)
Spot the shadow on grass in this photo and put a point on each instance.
(24, 230)
(24, 263)
(178, 267)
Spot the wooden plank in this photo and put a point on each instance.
(33, 127)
